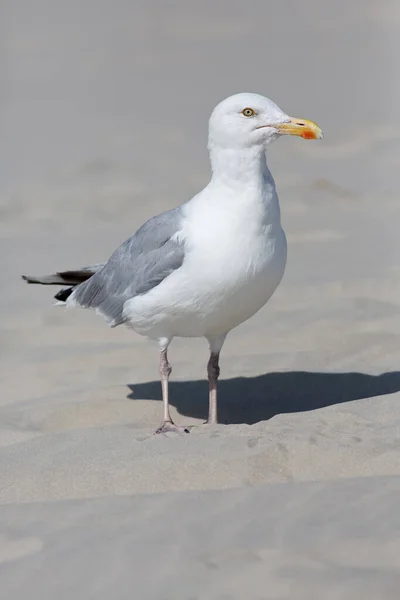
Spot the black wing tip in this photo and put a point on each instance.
(61, 277)
(64, 294)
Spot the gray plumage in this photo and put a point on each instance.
(141, 263)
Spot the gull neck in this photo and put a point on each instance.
(238, 167)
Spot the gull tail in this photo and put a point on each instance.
(68, 278)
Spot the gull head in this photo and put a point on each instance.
(246, 120)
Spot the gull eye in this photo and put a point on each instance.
(248, 112)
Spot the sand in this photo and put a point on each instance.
(296, 493)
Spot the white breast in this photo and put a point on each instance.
(235, 259)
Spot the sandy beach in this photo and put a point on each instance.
(295, 494)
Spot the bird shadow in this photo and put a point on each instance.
(253, 399)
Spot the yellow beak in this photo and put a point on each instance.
(301, 127)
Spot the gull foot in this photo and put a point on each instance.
(168, 426)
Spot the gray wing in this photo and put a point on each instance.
(139, 265)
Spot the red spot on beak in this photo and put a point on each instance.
(308, 135)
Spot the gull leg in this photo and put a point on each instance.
(213, 374)
(165, 372)
(213, 370)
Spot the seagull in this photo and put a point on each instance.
(205, 267)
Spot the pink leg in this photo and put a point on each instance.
(213, 374)
(165, 372)
(216, 343)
